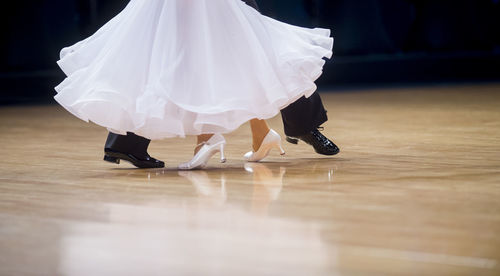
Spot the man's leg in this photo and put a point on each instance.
(131, 148)
(304, 115)
(302, 119)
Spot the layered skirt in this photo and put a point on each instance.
(167, 68)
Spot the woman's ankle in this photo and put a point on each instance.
(258, 138)
(201, 140)
(259, 131)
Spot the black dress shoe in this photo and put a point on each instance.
(140, 162)
(318, 141)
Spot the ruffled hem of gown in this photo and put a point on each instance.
(153, 114)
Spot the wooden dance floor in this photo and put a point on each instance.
(414, 191)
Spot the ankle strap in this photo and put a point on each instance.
(201, 144)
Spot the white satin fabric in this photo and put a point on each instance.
(166, 68)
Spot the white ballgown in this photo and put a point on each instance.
(167, 68)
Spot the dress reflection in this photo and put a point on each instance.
(230, 212)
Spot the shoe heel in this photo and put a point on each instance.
(222, 157)
(291, 140)
(111, 159)
(282, 151)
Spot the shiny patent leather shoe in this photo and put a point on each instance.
(215, 144)
(318, 141)
(140, 162)
(272, 140)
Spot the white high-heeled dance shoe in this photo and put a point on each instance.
(215, 144)
(272, 140)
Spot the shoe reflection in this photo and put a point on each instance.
(215, 190)
(266, 182)
(267, 186)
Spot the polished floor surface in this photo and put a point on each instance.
(414, 191)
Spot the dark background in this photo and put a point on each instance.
(377, 42)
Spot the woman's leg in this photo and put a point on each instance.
(259, 131)
(200, 141)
